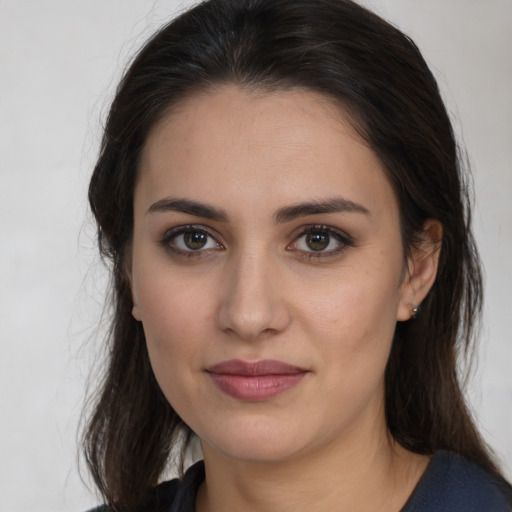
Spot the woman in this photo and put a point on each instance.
(294, 275)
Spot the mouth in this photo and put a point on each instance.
(255, 381)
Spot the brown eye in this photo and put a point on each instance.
(190, 240)
(317, 241)
(195, 240)
(321, 240)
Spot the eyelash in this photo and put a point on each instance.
(168, 241)
(344, 241)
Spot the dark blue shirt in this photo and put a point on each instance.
(450, 483)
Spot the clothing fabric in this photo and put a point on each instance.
(450, 483)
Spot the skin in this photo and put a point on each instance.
(257, 291)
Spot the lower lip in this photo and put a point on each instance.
(255, 388)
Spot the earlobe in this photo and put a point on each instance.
(135, 308)
(128, 277)
(136, 313)
(421, 271)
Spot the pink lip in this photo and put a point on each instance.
(255, 381)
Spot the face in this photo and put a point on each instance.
(267, 269)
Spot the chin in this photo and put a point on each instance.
(255, 451)
(256, 441)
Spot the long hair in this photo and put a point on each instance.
(377, 75)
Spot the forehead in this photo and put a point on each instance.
(232, 144)
(255, 113)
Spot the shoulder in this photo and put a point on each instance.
(452, 483)
(174, 495)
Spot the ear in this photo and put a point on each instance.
(136, 312)
(129, 278)
(421, 269)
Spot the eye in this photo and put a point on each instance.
(190, 239)
(315, 242)
(321, 240)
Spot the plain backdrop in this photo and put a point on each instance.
(59, 63)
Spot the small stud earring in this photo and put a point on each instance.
(415, 311)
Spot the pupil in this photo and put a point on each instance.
(195, 240)
(317, 241)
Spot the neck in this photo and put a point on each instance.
(356, 475)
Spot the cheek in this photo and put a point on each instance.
(355, 303)
(173, 315)
(353, 334)
(352, 321)
(174, 332)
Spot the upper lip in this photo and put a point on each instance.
(254, 368)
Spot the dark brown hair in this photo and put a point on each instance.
(342, 50)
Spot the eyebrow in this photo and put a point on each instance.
(334, 205)
(285, 214)
(190, 207)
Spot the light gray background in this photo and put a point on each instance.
(59, 63)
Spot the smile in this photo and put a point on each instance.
(255, 381)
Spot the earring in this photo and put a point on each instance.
(415, 311)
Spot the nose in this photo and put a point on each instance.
(252, 302)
